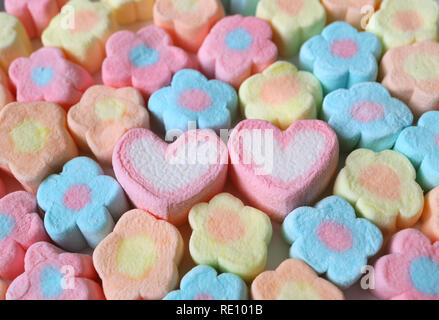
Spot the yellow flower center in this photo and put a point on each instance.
(29, 136)
(421, 66)
(136, 256)
(109, 109)
(294, 290)
(185, 5)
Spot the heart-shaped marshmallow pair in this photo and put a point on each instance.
(279, 171)
(168, 179)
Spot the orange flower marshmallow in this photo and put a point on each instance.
(139, 259)
(14, 41)
(398, 23)
(354, 12)
(411, 73)
(293, 280)
(230, 236)
(103, 115)
(130, 11)
(188, 21)
(35, 141)
(382, 188)
(430, 216)
(83, 35)
(5, 93)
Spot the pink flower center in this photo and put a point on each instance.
(367, 111)
(345, 49)
(292, 8)
(280, 90)
(195, 100)
(437, 140)
(381, 181)
(77, 197)
(203, 296)
(335, 236)
(407, 20)
(85, 21)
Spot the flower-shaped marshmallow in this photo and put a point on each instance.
(203, 283)
(411, 74)
(34, 15)
(366, 116)
(398, 23)
(130, 11)
(103, 115)
(5, 92)
(293, 22)
(82, 35)
(52, 274)
(421, 145)
(332, 240)
(188, 21)
(211, 104)
(230, 236)
(36, 142)
(382, 188)
(48, 76)
(145, 60)
(411, 270)
(139, 259)
(236, 48)
(293, 280)
(14, 41)
(353, 12)
(20, 227)
(81, 204)
(244, 7)
(430, 215)
(281, 95)
(341, 56)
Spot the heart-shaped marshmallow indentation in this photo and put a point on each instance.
(281, 170)
(167, 180)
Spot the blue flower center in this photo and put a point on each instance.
(6, 225)
(424, 273)
(239, 39)
(143, 56)
(51, 282)
(42, 75)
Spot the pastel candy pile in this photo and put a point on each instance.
(236, 48)
(14, 41)
(168, 179)
(203, 283)
(130, 11)
(188, 22)
(398, 23)
(209, 104)
(331, 240)
(244, 7)
(411, 73)
(353, 12)
(430, 216)
(279, 171)
(341, 56)
(52, 274)
(281, 95)
(20, 227)
(81, 204)
(35, 15)
(47, 76)
(366, 116)
(146, 60)
(293, 22)
(382, 188)
(36, 141)
(81, 36)
(229, 236)
(103, 115)
(420, 145)
(5, 92)
(411, 269)
(293, 280)
(139, 259)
